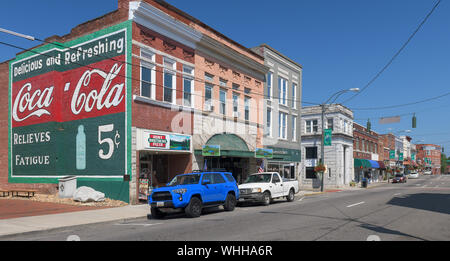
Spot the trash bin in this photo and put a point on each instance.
(364, 183)
(67, 186)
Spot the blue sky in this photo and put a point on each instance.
(341, 45)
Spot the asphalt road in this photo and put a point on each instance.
(418, 210)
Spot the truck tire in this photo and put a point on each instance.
(230, 202)
(290, 197)
(266, 198)
(194, 208)
(156, 213)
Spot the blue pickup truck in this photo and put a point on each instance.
(194, 191)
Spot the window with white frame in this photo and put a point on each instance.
(311, 126)
(269, 85)
(282, 88)
(330, 123)
(147, 75)
(294, 128)
(208, 94)
(294, 95)
(246, 108)
(222, 100)
(282, 119)
(235, 103)
(188, 85)
(269, 122)
(169, 80)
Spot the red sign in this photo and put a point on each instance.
(72, 95)
(157, 141)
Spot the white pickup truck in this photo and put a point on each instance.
(265, 186)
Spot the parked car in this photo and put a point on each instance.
(399, 178)
(194, 191)
(427, 172)
(266, 186)
(413, 175)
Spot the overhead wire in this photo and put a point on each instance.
(396, 54)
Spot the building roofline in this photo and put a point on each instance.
(280, 54)
(197, 21)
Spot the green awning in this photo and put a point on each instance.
(231, 145)
(358, 163)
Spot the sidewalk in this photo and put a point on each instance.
(52, 221)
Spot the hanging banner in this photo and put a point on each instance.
(68, 108)
(327, 137)
(392, 154)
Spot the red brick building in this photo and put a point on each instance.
(429, 156)
(160, 61)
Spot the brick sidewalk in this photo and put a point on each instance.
(14, 208)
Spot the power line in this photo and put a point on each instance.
(139, 66)
(405, 104)
(126, 77)
(396, 54)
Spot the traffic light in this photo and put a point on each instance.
(414, 121)
(369, 125)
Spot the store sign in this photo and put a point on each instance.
(68, 108)
(166, 141)
(211, 150)
(263, 153)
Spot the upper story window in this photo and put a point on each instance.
(188, 85)
(209, 77)
(294, 128)
(223, 99)
(282, 88)
(247, 108)
(169, 80)
(235, 104)
(294, 95)
(330, 123)
(282, 120)
(208, 94)
(222, 82)
(311, 126)
(269, 85)
(147, 75)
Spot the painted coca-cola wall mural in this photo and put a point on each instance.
(68, 108)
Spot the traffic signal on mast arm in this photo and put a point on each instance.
(369, 125)
(414, 121)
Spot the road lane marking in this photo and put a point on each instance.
(301, 199)
(359, 203)
(396, 194)
(136, 224)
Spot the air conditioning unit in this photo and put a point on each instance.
(209, 107)
(236, 114)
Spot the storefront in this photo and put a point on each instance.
(227, 152)
(162, 156)
(284, 161)
(362, 169)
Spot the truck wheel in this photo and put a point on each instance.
(291, 195)
(194, 208)
(266, 198)
(230, 202)
(156, 213)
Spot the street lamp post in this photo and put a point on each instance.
(323, 108)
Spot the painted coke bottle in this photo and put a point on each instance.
(81, 148)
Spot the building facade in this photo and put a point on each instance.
(429, 156)
(282, 112)
(129, 100)
(338, 156)
(366, 154)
